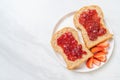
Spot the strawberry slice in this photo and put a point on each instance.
(96, 62)
(89, 62)
(102, 59)
(101, 56)
(104, 44)
(96, 49)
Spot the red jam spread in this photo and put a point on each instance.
(70, 46)
(91, 22)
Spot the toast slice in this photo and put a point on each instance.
(70, 64)
(91, 43)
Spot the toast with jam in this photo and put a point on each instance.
(66, 42)
(90, 20)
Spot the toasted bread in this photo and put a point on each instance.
(70, 64)
(89, 43)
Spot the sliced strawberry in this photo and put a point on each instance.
(104, 44)
(96, 49)
(96, 62)
(101, 56)
(89, 62)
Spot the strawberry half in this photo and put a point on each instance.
(96, 49)
(96, 62)
(89, 62)
(102, 59)
(101, 56)
(104, 44)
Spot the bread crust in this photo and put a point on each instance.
(86, 39)
(70, 64)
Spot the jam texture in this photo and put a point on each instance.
(91, 22)
(70, 46)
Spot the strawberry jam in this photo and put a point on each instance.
(91, 22)
(70, 46)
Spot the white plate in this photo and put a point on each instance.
(67, 20)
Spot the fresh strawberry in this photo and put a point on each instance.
(102, 59)
(101, 56)
(96, 49)
(96, 62)
(104, 44)
(89, 62)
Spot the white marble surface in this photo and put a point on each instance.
(25, 32)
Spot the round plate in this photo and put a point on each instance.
(67, 21)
